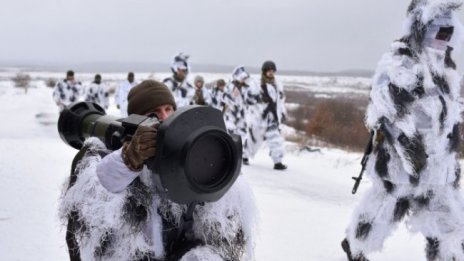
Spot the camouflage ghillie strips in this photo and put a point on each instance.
(414, 111)
(139, 224)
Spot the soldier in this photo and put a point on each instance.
(217, 94)
(202, 95)
(414, 113)
(181, 89)
(241, 92)
(272, 115)
(122, 91)
(67, 91)
(97, 92)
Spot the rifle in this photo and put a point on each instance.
(272, 106)
(367, 152)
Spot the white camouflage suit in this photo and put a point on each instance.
(181, 89)
(415, 113)
(97, 93)
(121, 96)
(237, 99)
(66, 93)
(183, 92)
(265, 127)
(217, 98)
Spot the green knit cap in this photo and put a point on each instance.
(147, 96)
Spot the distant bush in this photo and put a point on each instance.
(339, 122)
(22, 80)
(50, 82)
(298, 118)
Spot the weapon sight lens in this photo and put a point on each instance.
(209, 161)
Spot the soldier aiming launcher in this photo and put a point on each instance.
(196, 159)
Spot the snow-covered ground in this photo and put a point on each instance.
(303, 210)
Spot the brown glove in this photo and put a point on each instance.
(141, 147)
(199, 99)
(379, 137)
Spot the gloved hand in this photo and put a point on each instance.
(379, 137)
(141, 147)
(117, 106)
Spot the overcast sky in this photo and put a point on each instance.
(316, 35)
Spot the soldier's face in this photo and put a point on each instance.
(270, 74)
(439, 32)
(199, 84)
(162, 112)
(70, 79)
(181, 73)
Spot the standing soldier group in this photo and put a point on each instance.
(252, 111)
(69, 91)
(255, 112)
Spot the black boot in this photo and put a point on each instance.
(246, 162)
(280, 166)
(346, 248)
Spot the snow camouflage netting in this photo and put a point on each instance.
(415, 112)
(422, 12)
(129, 225)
